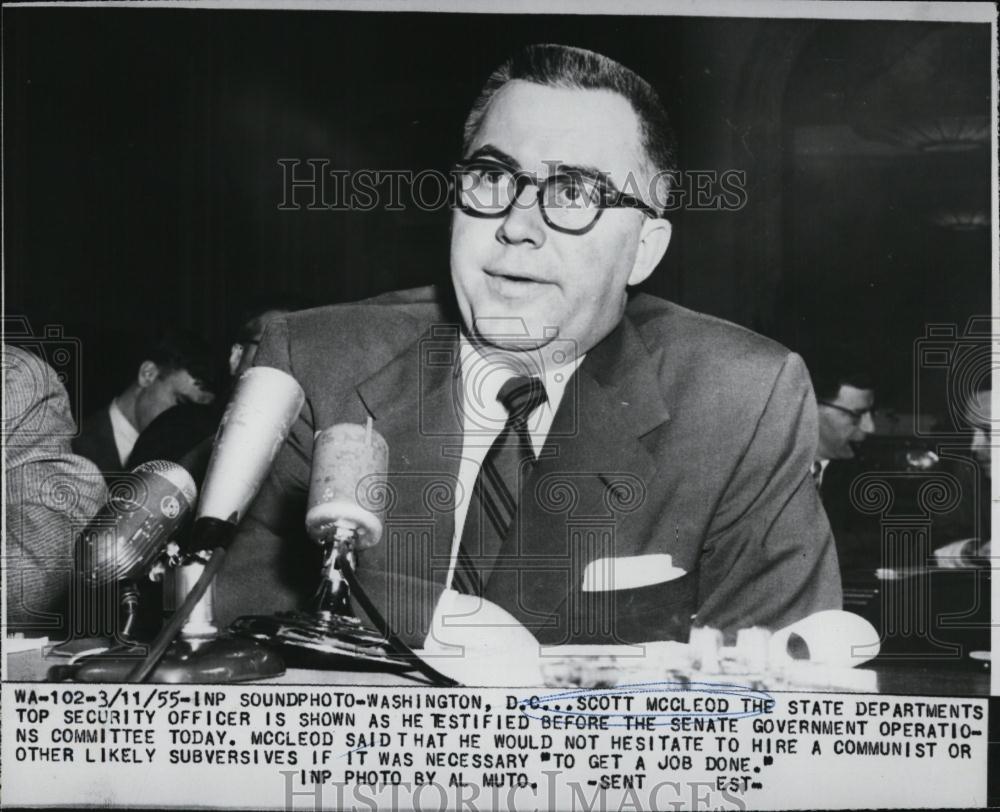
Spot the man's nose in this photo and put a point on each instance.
(867, 424)
(524, 223)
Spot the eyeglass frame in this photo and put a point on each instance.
(854, 413)
(523, 178)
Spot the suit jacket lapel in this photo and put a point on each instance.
(416, 406)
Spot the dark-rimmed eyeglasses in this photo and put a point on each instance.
(856, 416)
(571, 201)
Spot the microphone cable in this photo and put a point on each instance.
(179, 618)
(398, 646)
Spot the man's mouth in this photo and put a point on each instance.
(511, 276)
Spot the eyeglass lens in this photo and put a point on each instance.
(568, 201)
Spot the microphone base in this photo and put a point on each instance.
(322, 640)
(189, 661)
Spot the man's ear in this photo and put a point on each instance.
(148, 372)
(653, 241)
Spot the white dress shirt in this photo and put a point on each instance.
(818, 469)
(125, 433)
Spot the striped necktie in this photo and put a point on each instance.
(494, 495)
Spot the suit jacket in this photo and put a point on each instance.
(50, 494)
(97, 443)
(182, 434)
(679, 434)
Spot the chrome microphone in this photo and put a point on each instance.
(256, 422)
(141, 515)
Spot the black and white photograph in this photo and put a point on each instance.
(499, 406)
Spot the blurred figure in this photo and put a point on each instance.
(977, 414)
(50, 493)
(975, 552)
(184, 432)
(174, 369)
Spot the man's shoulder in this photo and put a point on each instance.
(725, 369)
(360, 336)
(27, 377)
(36, 406)
(399, 312)
(680, 331)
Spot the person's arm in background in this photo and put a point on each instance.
(770, 558)
(50, 493)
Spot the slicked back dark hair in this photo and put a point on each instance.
(174, 348)
(563, 66)
(839, 369)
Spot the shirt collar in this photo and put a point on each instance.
(485, 370)
(124, 432)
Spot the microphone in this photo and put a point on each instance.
(347, 488)
(256, 422)
(348, 500)
(140, 516)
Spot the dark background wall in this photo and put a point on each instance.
(142, 182)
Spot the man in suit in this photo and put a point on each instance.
(845, 394)
(663, 477)
(846, 398)
(176, 367)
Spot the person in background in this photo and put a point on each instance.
(50, 494)
(175, 368)
(975, 552)
(845, 397)
(183, 433)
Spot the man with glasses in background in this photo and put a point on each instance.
(845, 396)
(846, 399)
(605, 467)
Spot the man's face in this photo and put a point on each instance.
(977, 413)
(168, 388)
(516, 270)
(845, 420)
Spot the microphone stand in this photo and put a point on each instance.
(200, 653)
(331, 633)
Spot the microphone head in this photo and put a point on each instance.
(175, 474)
(258, 418)
(347, 488)
(144, 510)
